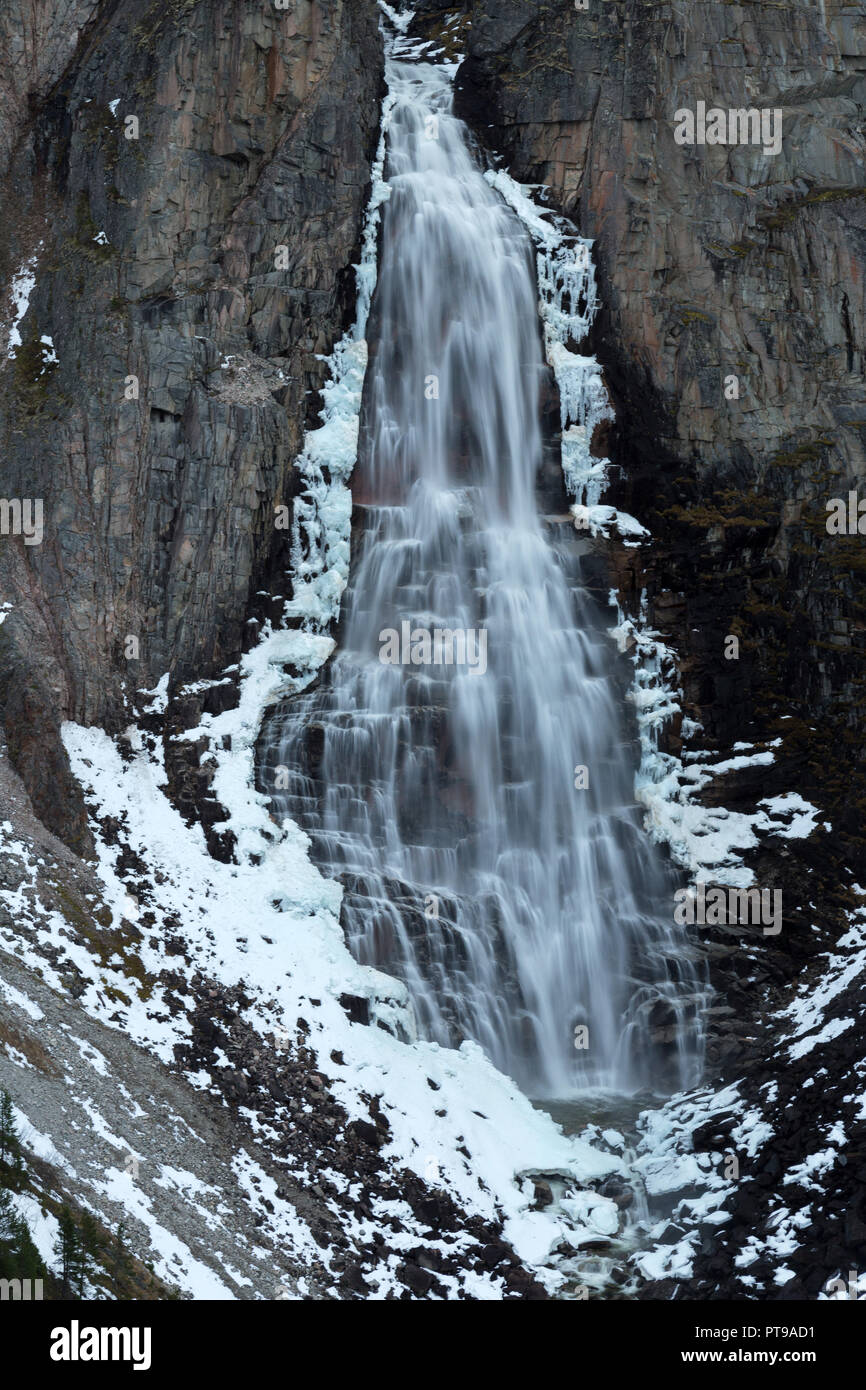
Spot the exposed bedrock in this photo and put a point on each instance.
(186, 183)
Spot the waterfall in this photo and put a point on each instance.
(517, 896)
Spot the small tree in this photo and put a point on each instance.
(120, 1258)
(90, 1247)
(7, 1233)
(19, 1258)
(72, 1258)
(30, 1262)
(11, 1160)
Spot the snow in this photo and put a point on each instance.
(322, 515)
(669, 1165)
(599, 519)
(39, 1144)
(831, 1030)
(812, 1167)
(157, 699)
(401, 19)
(598, 1214)
(803, 815)
(173, 1261)
(100, 1127)
(853, 1286)
(23, 284)
(92, 1055)
(666, 1154)
(668, 1261)
(44, 1228)
(14, 996)
(709, 841)
(49, 356)
(807, 1010)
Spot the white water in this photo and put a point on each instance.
(514, 905)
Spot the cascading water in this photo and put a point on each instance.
(524, 911)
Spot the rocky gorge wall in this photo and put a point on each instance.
(185, 184)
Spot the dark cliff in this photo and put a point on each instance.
(155, 246)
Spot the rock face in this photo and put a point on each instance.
(186, 183)
(37, 40)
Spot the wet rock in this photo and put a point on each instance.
(356, 1007)
(543, 1194)
(420, 1281)
(493, 1255)
(365, 1133)
(353, 1280)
